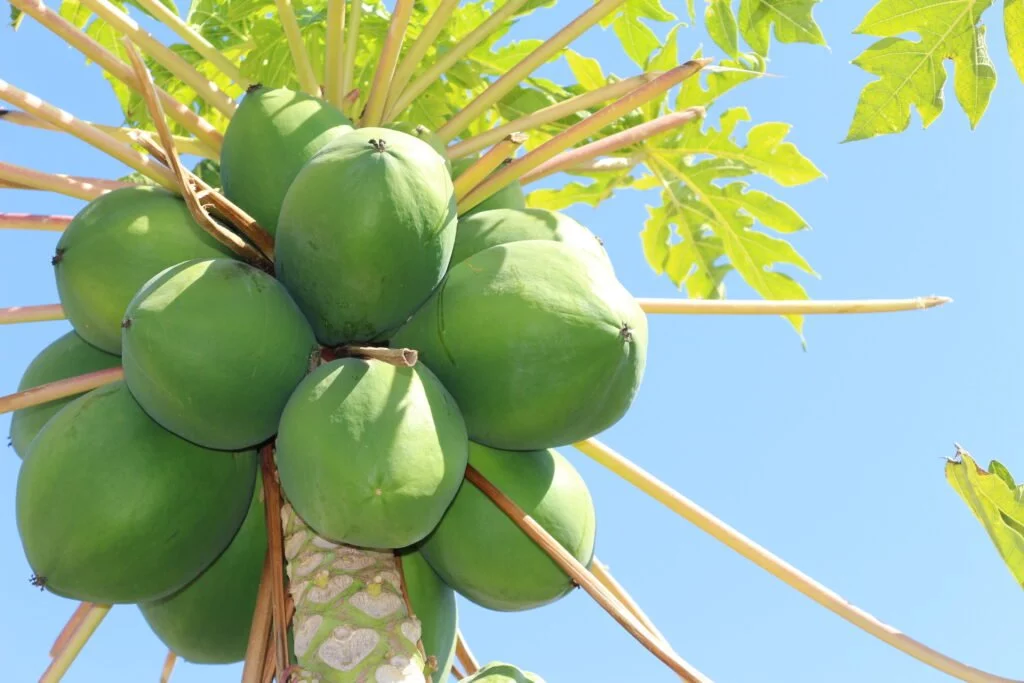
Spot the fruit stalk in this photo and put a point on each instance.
(550, 114)
(465, 655)
(88, 189)
(573, 157)
(448, 59)
(582, 577)
(275, 551)
(113, 65)
(589, 126)
(169, 661)
(333, 67)
(69, 628)
(781, 307)
(403, 358)
(374, 112)
(259, 646)
(417, 51)
(483, 166)
(601, 573)
(777, 567)
(303, 67)
(514, 76)
(59, 666)
(51, 391)
(349, 64)
(31, 314)
(26, 221)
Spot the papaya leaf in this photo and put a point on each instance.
(637, 38)
(710, 85)
(792, 20)
(911, 72)
(691, 256)
(1013, 27)
(587, 70)
(208, 170)
(996, 501)
(650, 9)
(597, 191)
(720, 22)
(16, 17)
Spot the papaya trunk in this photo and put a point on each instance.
(352, 622)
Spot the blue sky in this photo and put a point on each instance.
(830, 457)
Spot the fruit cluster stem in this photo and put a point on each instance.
(783, 307)
(19, 177)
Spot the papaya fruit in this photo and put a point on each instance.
(272, 135)
(485, 229)
(207, 621)
(509, 197)
(212, 349)
(371, 454)
(67, 356)
(433, 603)
(423, 133)
(500, 672)
(486, 558)
(538, 342)
(113, 508)
(114, 246)
(366, 233)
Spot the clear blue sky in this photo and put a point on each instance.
(832, 457)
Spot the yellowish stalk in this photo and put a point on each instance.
(797, 307)
(450, 58)
(113, 65)
(196, 41)
(70, 186)
(351, 48)
(550, 114)
(465, 655)
(580, 131)
(31, 314)
(169, 661)
(483, 166)
(333, 87)
(390, 50)
(60, 664)
(163, 55)
(777, 567)
(573, 157)
(185, 145)
(533, 61)
(418, 50)
(44, 393)
(143, 163)
(303, 67)
(602, 574)
(25, 221)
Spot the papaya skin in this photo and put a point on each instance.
(113, 247)
(539, 344)
(112, 508)
(366, 233)
(67, 356)
(484, 556)
(272, 135)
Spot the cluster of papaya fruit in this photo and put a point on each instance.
(147, 490)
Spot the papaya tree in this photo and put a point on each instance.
(331, 324)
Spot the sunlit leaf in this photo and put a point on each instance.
(16, 17)
(721, 25)
(1013, 27)
(587, 70)
(637, 39)
(708, 86)
(793, 22)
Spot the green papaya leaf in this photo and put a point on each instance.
(793, 22)
(721, 25)
(16, 16)
(637, 38)
(1013, 27)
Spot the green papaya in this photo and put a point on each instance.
(485, 229)
(500, 672)
(366, 233)
(423, 133)
(272, 135)
(483, 555)
(113, 247)
(68, 356)
(113, 508)
(371, 454)
(509, 197)
(207, 621)
(212, 350)
(538, 342)
(433, 603)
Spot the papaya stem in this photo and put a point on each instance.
(183, 179)
(349, 64)
(450, 58)
(582, 577)
(60, 664)
(777, 567)
(550, 114)
(303, 67)
(459, 675)
(31, 314)
(781, 307)
(531, 62)
(578, 132)
(169, 661)
(113, 65)
(417, 52)
(573, 157)
(465, 655)
(164, 56)
(275, 547)
(185, 145)
(333, 60)
(62, 388)
(403, 358)
(79, 187)
(601, 573)
(69, 628)
(196, 41)
(259, 630)
(121, 151)
(483, 166)
(382, 75)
